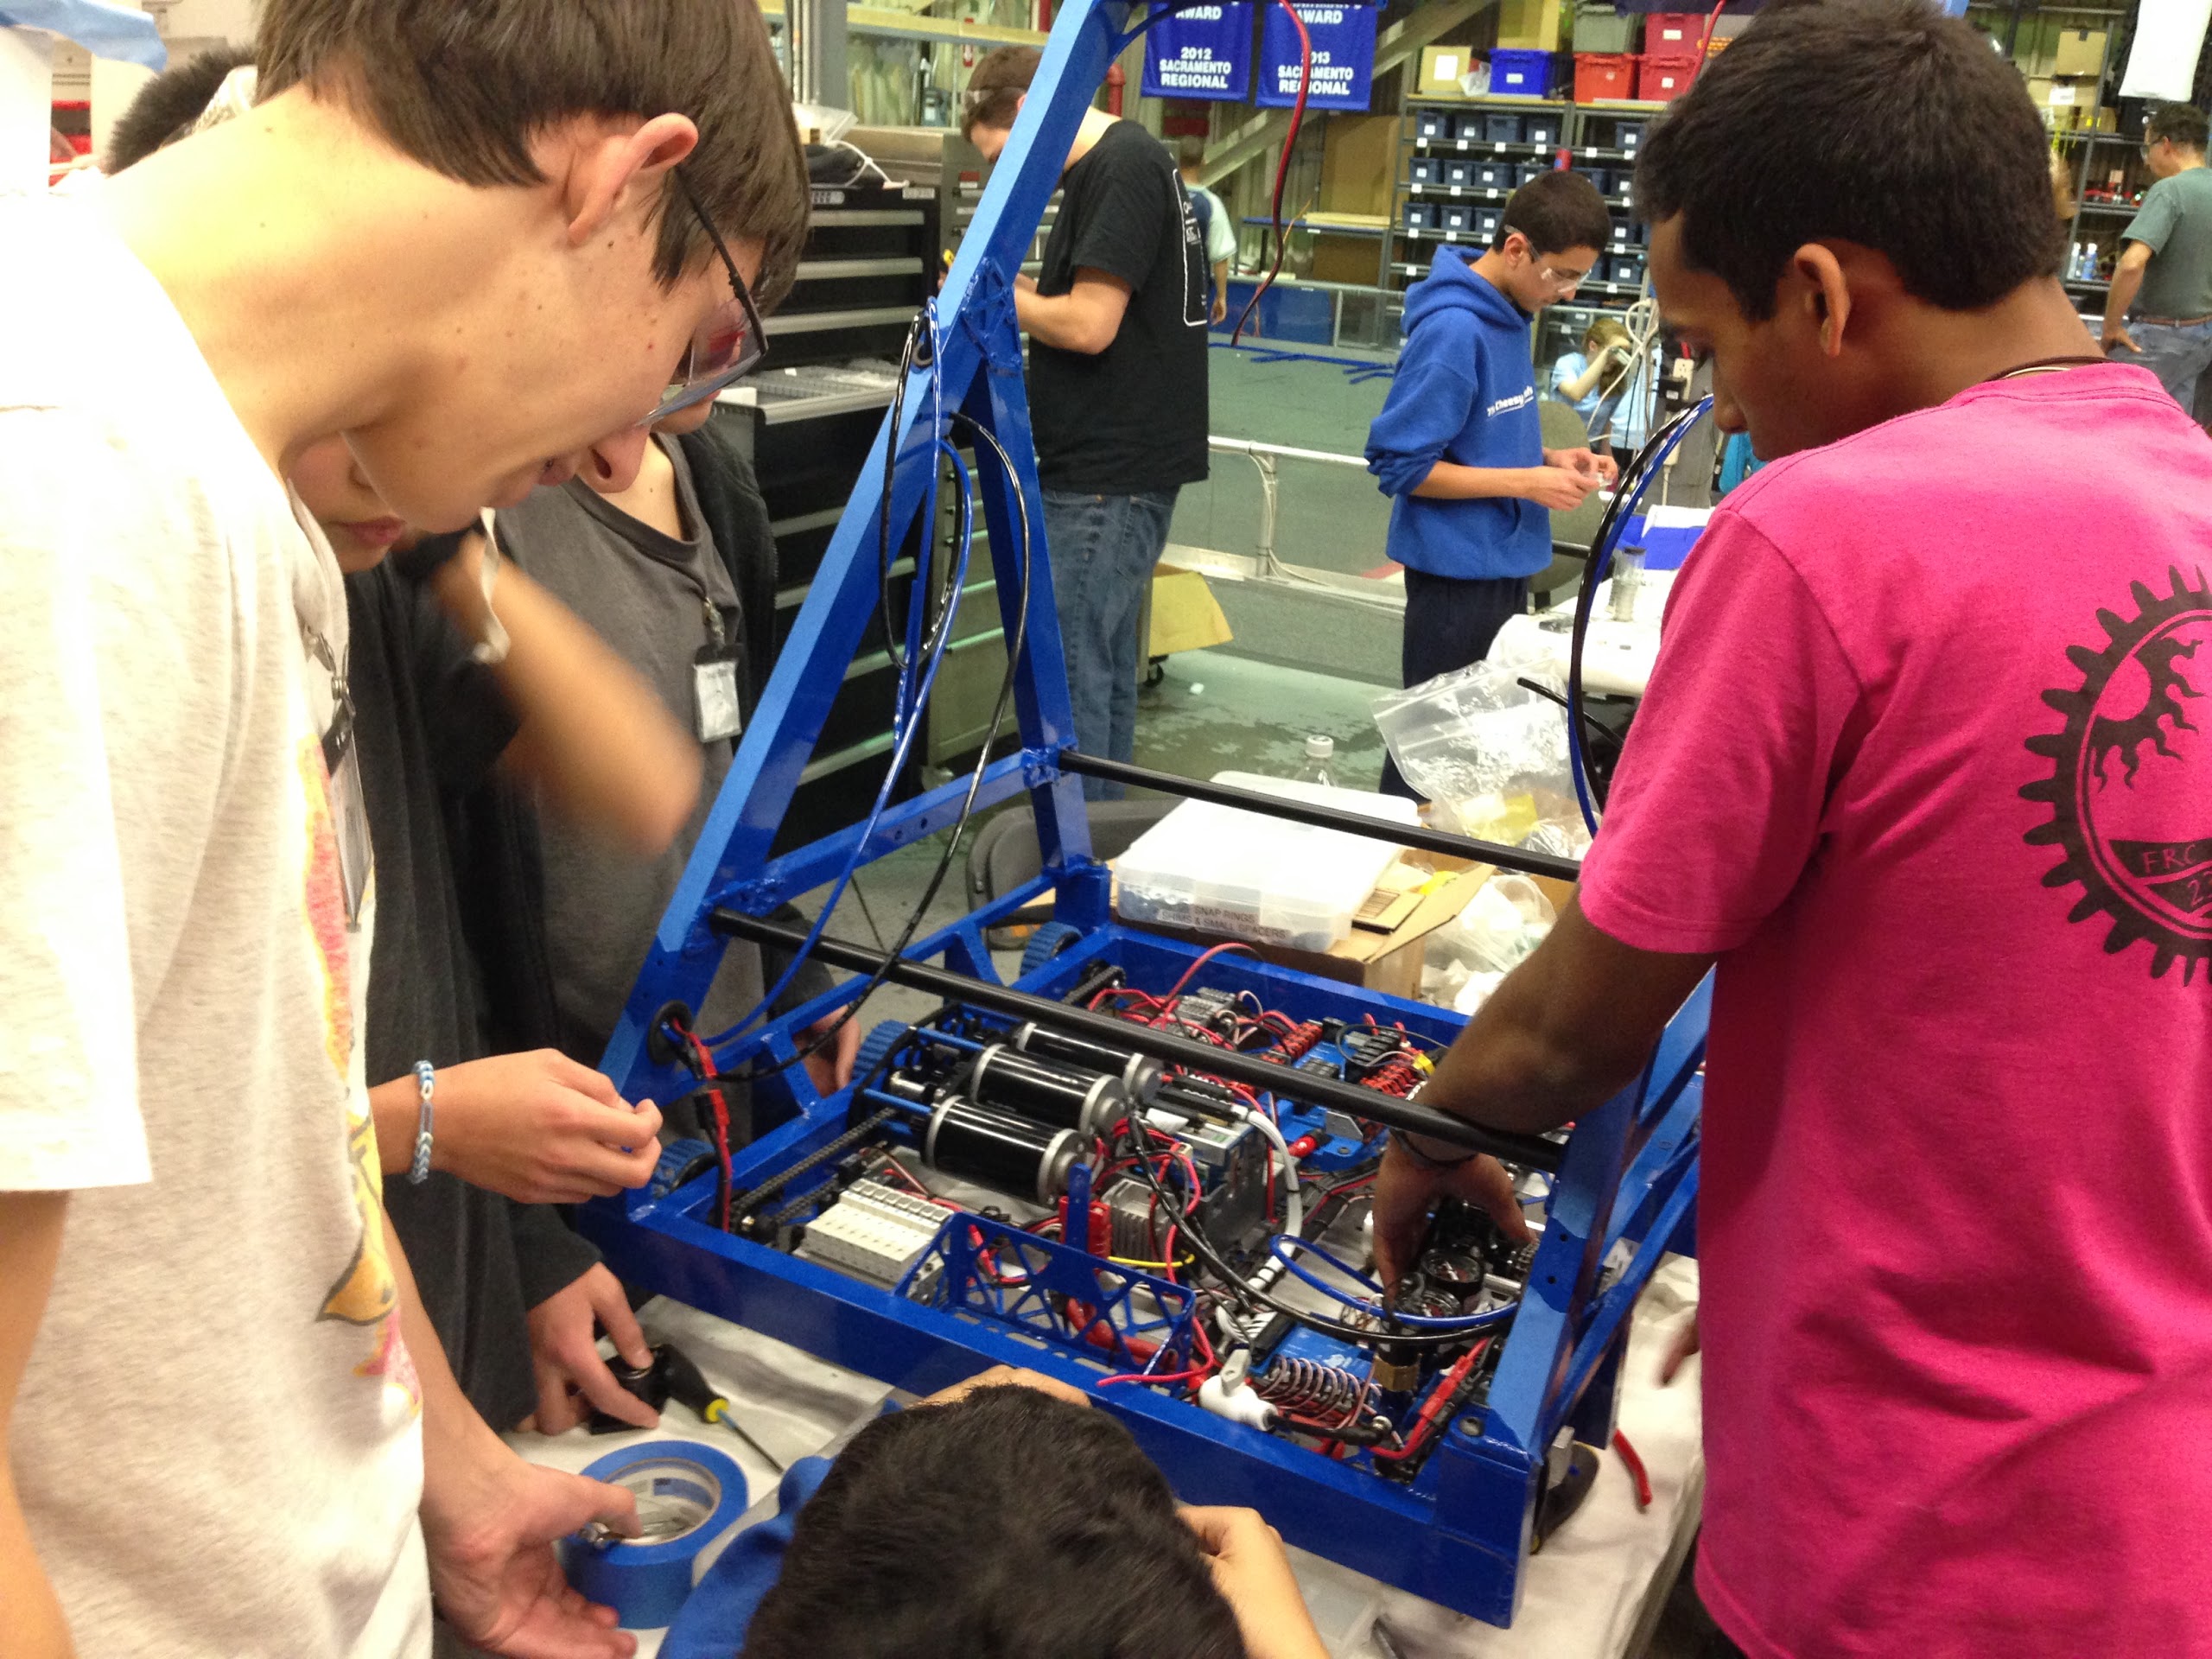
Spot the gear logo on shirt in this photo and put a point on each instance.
(2130, 790)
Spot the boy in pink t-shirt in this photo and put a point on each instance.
(1926, 770)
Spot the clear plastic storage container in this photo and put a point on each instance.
(1217, 869)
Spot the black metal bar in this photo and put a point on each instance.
(1327, 818)
(1531, 1150)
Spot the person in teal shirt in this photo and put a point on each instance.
(2165, 272)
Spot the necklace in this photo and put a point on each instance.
(2043, 366)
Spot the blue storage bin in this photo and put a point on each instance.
(1515, 73)
(1432, 123)
(1502, 129)
(1628, 272)
(1420, 216)
(1466, 126)
(1620, 185)
(1493, 175)
(1486, 221)
(1424, 169)
(1459, 173)
(1540, 129)
(1627, 135)
(1286, 312)
(1455, 218)
(1529, 172)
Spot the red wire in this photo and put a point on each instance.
(1705, 43)
(1435, 1403)
(722, 1117)
(1192, 969)
(1282, 168)
(1636, 1470)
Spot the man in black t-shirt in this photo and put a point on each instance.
(1117, 384)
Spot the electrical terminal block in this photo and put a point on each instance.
(874, 1231)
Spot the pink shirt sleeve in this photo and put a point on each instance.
(1717, 805)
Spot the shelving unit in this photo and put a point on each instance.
(2093, 221)
(1455, 173)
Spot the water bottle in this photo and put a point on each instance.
(1320, 752)
(1627, 583)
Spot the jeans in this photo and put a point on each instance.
(1450, 622)
(2178, 355)
(1103, 549)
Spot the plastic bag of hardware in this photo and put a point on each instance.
(1463, 961)
(1506, 919)
(1485, 749)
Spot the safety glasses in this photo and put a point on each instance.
(1562, 283)
(729, 345)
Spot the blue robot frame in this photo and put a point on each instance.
(1458, 1533)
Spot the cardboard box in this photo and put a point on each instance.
(1349, 259)
(1440, 69)
(2066, 102)
(2079, 52)
(1384, 951)
(1533, 25)
(1358, 155)
(1186, 616)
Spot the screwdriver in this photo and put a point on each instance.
(687, 1386)
(672, 1375)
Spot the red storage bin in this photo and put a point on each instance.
(1661, 80)
(1674, 35)
(1599, 76)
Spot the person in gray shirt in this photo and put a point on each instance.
(2165, 272)
(643, 568)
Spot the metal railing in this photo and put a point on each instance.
(1264, 456)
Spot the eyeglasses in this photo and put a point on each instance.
(730, 344)
(1560, 281)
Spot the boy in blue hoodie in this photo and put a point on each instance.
(1458, 444)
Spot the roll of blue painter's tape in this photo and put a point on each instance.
(689, 1495)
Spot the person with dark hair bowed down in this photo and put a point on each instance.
(1116, 320)
(1001, 1519)
(1920, 780)
(1459, 444)
(2165, 274)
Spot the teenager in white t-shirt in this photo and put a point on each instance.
(223, 1409)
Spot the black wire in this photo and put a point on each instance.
(890, 477)
(828, 1033)
(1597, 727)
(1586, 600)
(1242, 1290)
(866, 914)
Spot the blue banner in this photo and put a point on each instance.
(1200, 52)
(1344, 58)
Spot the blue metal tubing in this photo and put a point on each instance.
(911, 1108)
(917, 677)
(802, 871)
(976, 365)
(1457, 1534)
(1369, 1524)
